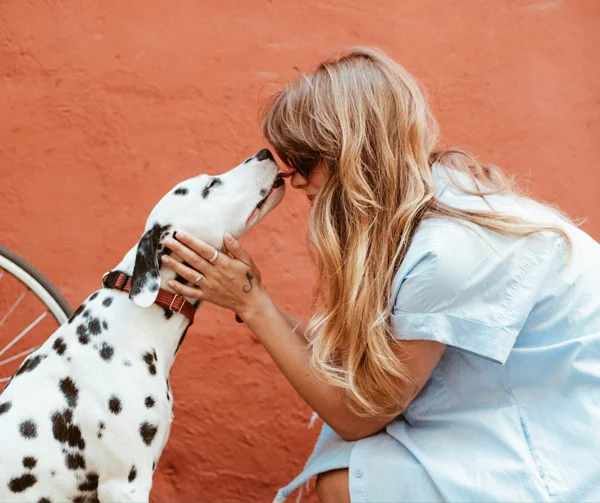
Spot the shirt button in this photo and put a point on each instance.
(358, 473)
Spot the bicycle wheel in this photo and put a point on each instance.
(29, 306)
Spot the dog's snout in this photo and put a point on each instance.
(264, 154)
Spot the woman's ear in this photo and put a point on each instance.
(145, 281)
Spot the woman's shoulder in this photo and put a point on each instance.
(447, 257)
(442, 251)
(447, 243)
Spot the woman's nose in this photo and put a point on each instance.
(298, 181)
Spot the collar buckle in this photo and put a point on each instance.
(173, 301)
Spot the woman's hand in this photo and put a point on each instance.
(230, 282)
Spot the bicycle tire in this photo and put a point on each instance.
(41, 287)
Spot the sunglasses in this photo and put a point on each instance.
(303, 166)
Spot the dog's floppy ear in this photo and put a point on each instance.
(145, 282)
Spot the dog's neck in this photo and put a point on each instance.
(165, 330)
(127, 264)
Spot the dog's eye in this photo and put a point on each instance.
(210, 185)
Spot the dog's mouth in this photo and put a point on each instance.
(276, 184)
(279, 181)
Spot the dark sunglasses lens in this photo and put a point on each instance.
(304, 168)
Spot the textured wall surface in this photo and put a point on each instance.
(106, 104)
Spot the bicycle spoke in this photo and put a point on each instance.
(14, 306)
(23, 333)
(16, 357)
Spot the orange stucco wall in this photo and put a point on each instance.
(104, 105)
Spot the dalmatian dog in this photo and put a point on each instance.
(86, 415)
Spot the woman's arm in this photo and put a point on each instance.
(298, 326)
(291, 353)
(234, 283)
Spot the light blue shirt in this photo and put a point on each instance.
(512, 410)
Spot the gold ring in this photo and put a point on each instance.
(214, 257)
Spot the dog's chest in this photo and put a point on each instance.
(92, 403)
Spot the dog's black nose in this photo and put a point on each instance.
(264, 154)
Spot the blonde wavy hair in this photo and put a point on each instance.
(363, 118)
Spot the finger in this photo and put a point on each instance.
(203, 249)
(188, 255)
(182, 269)
(235, 248)
(186, 291)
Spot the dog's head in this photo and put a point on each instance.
(206, 207)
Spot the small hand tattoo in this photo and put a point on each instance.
(248, 287)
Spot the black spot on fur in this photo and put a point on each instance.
(75, 461)
(86, 313)
(127, 363)
(107, 302)
(74, 437)
(114, 405)
(30, 364)
(19, 484)
(5, 407)
(28, 429)
(149, 401)
(181, 191)
(52, 473)
(105, 325)
(101, 427)
(82, 332)
(94, 326)
(107, 351)
(94, 295)
(154, 287)
(44, 500)
(168, 390)
(149, 359)
(153, 465)
(168, 313)
(29, 462)
(132, 474)
(147, 432)
(77, 313)
(90, 484)
(68, 388)
(61, 422)
(59, 346)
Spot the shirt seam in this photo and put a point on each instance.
(530, 447)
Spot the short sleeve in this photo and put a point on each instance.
(472, 290)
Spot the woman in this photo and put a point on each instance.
(454, 352)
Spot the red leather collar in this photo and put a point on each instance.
(172, 301)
